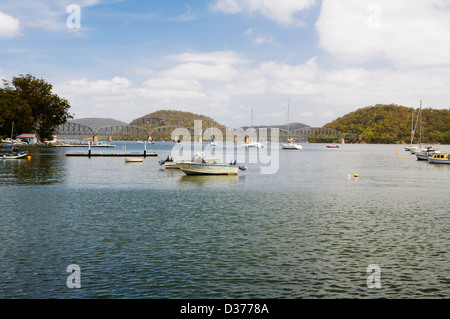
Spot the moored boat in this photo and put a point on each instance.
(14, 153)
(198, 166)
(169, 163)
(133, 160)
(290, 145)
(253, 145)
(332, 146)
(424, 154)
(439, 159)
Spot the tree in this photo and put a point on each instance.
(47, 109)
(14, 110)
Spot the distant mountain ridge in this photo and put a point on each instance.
(292, 126)
(95, 123)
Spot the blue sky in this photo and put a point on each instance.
(223, 58)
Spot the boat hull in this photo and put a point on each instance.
(438, 160)
(207, 169)
(291, 146)
(14, 156)
(171, 165)
(133, 160)
(253, 145)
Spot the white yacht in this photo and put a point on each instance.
(290, 144)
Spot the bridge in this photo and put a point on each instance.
(318, 133)
(175, 132)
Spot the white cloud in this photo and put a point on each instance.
(219, 72)
(281, 11)
(226, 89)
(258, 38)
(218, 57)
(9, 26)
(403, 33)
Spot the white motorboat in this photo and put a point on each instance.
(14, 153)
(198, 166)
(439, 159)
(290, 145)
(253, 145)
(169, 163)
(133, 160)
(424, 154)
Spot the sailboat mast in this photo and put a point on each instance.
(412, 128)
(12, 130)
(420, 136)
(289, 102)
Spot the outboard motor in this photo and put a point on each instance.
(243, 168)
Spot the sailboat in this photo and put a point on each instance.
(290, 145)
(423, 154)
(414, 149)
(413, 131)
(249, 144)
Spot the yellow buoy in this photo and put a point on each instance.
(397, 153)
(403, 158)
(28, 157)
(356, 175)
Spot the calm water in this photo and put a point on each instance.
(309, 231)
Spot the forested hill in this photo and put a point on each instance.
(173, 118)
(388, 124)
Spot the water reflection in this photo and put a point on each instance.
(40, 168)
(209, 180)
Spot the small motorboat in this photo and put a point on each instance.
(332, 146)
(424, 154)
(290, 145)
(253, 145)
(134, 159)
(169, 163)
(14, 153)
(439, 159)
(198, 166)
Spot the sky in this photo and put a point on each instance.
(123, 59)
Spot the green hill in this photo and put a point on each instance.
(173, 118)
(390, 124)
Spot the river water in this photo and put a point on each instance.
(310, 230)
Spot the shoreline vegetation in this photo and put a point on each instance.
(28, 105)
(391, 124)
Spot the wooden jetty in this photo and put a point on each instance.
(89, 154)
